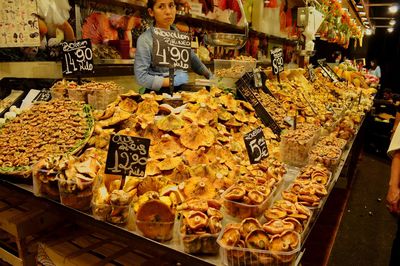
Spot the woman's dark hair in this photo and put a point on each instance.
(150, 3)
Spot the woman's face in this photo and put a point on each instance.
(163, 12)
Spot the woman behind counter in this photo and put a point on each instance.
(155, 77)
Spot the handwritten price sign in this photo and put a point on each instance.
(77, 57)
(171, 48)
(127, 156)
(256, 145)
(277, 61)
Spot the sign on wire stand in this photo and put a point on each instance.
(311, 73)
(171, 49)
(244, 86)
(77, 57)
(277, 61)
(255, 145)
(328, 70)
(127, 156)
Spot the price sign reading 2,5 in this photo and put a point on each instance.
(171, 48)
(127, 156)
(277, 61)
(77, 57)
(256, 145)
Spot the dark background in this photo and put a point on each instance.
(381, 46)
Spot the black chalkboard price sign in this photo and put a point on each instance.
(171, 48)
(247, 92)
(256, 145)
(77, 57)
(277, 60)
(127, 156)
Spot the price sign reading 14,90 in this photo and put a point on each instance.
(171, 48)
(277, 61)
(127, 156)
(256, 145)
(77, 57)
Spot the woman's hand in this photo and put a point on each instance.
(181, 78)
(392, 199)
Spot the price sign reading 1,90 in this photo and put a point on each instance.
(171, 48)
(277, 61)
(77, 57)
(256, 145)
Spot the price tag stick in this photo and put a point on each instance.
(79, 80)
(295, 120)
(359, 98)
(171, 80)
(123, 179)
(279, 80)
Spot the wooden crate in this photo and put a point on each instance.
(78, 246)
(22, 218)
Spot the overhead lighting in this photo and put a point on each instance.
(368, 32)
(393, 9)
(364, 18)
(392, 22)
(362, 13)
(360, 6)
(366, 22)
(390, 30)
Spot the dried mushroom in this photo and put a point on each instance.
(169, 123)
(196, 220)
(248, 225)
(212, 212)
(257, 239)
(230, 237)
(275, 213)
(255, 196)
(277, 226)
(214, 224)
(236, 193)
(199, 188)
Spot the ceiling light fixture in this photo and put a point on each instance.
(393, 9)
(360, 6)
(392, 22)
(368, 32)
(364, 18)
(390, 30)
(362, 13)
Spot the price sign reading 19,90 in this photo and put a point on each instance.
(277, 61)
(256, 145)
(77, 57)
(171, 48)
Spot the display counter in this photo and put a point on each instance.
(172, 251)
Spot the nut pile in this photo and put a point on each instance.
(296, 144)
(329, 156)
(49, 128)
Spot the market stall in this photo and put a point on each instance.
(233, 174)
